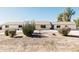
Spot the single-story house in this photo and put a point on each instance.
(42, 25)
(56, 25)
(16, 25)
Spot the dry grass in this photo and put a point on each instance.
(20, 43)
(52, 42)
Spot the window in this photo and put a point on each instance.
(6, 26)
(58, 26)
(20, 26)
(43, 26)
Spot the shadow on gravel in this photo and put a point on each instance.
(34, 35)
(37, 35)
(18, 37)
(72, 36)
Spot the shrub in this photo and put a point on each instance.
(64, 31)
(12, 32)
(6, 32)
(28, 28)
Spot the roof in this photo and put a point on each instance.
(62, 23)
(42, 22)
(9, 23)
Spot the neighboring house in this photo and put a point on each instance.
(42, 25)
(56, 25)
(16, 25)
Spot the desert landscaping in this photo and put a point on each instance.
(50, 40)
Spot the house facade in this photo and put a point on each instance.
(56, 25)
(15, 25)
(42, 25)
(39, 25)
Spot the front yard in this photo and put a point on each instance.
(48, 42)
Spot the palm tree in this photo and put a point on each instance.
(66, 15)
(69, 12)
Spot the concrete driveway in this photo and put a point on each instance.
(72, 32)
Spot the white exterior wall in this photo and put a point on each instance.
(48, 26)
(55, 27)
(72, 26)
(15, 26)
(38, 26)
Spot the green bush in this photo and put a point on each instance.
(12, 32)
(6, 32)
(64, 31)
(28, 28)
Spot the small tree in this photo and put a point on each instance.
(12, 32)
(6, 32)
(64, 31)
(28, 28)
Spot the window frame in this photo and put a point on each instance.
(6, 26)
(20, 26)
(58, 26)
(43, 26)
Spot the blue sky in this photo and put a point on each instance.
(32, 13)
